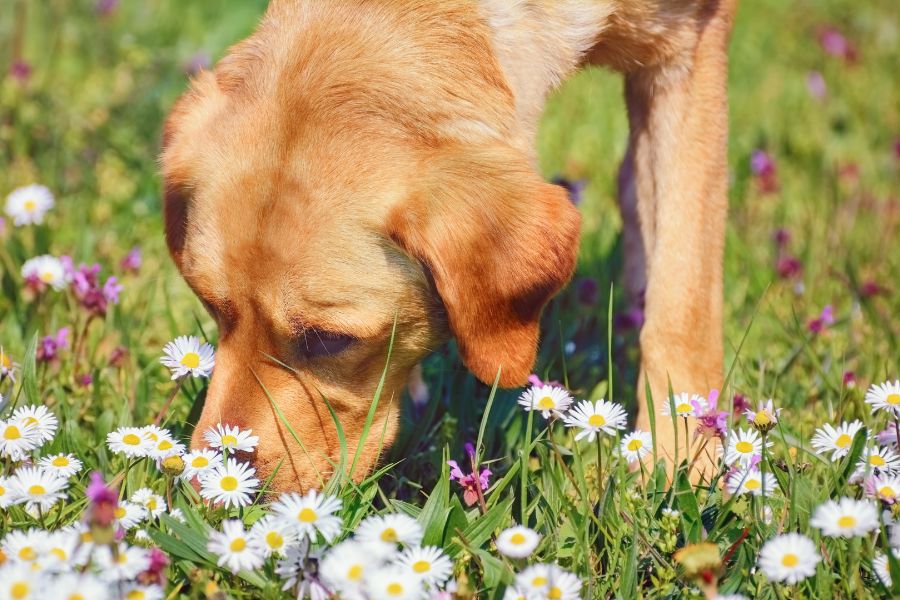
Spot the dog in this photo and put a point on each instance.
(361, 171)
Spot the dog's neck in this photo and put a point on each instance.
(538, 43)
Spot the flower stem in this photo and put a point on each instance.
(168, 402)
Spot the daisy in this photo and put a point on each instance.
(20, 582)
(226, 437)
(549, 581)
(197, 462)
(6, 495)
(127, 563)
(274, 535)
(636, 445)
(154, 433)
(231, 484)
(765, 417)
(882, 569)
(24, 545)
(547, 399)
(185, 355)
(45, 270)
(165, 447)
(154, 503)
(686, 405)
(17, 439)
(788, 558)
(60, 550)
(129, 441)
(310, 514)
(28, 204)
(514, 593)
(390, 529)
(596, 417)
(845, 518)
(428, 563)
(7, 366)
(130, 514)
(749, 480)
(885, 396)
(878, 460)
(76, 586)
(517, 541)
(393, 583)
(237, 550)
(143, 592)
(837, 441)
(176, 514)
(37, 488)
(39, 417)
(345, 567)
(63, 465)
(884, 487)
(743, 445)
(299, 569)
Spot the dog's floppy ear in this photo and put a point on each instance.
(499, 242)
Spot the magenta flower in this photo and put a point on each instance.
(711, 422)
(536, 381)
(469, 481)
(815, 84)
(788, 267)
(633, 318)
(849, 379)
(782, 238)
(104, 8)
(887, 437)
(20, 70)
(871, 288)
(155, 573)
(763, 167)
(823, 321)
(93, 297)
(834, 42)
(104, 500)
(132, 261)
(740, 404)
(49, 347)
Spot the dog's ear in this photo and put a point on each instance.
(499, 242)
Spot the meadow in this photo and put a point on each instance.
(94, 499)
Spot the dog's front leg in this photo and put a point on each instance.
(674, 202)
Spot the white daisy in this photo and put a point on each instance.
(78, 586)
(517, 541)
(686, 405)
(39, 417)
(129, 441)
(25, 546)
(310, 513)
(143, 592)
(549, 581)
(185, 355)
(60, 550)
(885, 396)
(6, 495)
(837, 441)
(17, 439)
(882, 568)
(845, 518)
(514, 593)
(345, 567)
(154, 433)
(197, 462)
(749, 480)
(393, 583)
(28, 204)
(789, 558)
(231, 483)
(232, 439)
(165, 447)
(7, 366)
(21, 582)
(596, 417)
(884, 487)
(636, 445)
(428, 563)
(154, 503)
(142, 537)
(547, 399)
(765, 417)
(274, 535)
(390, 529)
(878, 460)
(299, 569)
(130, 514)
(743, 445)
(37, 488)
(176, 514)
(237, 549)
(64, 465)
(127, 563)
(45, 270)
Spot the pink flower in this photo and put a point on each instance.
(104, 501)
(711, 422)
(155, 573)
(823, 321)
(20, 70)
(816, 86)
(469, 481)
(763, 167)
(132, 261)
(788, 267)
(534, 380)
(740, 404)
(49, 347)
(93, 297)
(849, 379)
(834, 43)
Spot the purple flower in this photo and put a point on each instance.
(633, 318)
(574, 187)
(788, 267)
(85, 380)
(154, 575)
(815, 84)
(849, 379)
(871, 288)
(740, 404)
(104, 500)
(132, 261)
(104, 8)
(90, 294)
(20, 70)
(823, 321)
(887, 437)
(711, 422)
(782, 238)
(587, 291)
(834, 43)
(468, 481)
(49, 347)
(763, 167)
(536, 382)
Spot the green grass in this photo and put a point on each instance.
(87, 124)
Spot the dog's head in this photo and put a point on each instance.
(342, 176)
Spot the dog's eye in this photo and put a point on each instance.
(315, 343)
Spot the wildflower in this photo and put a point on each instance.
(153, 502)
(104, 501)
(788, 266)
(132, 261)
(44, 271)
(27, 205)
(834, 43)
(823, 321)
(788, 558)
(39, 417)
(165, 447)
(274, 535)
(6, 496)
(700, 561)
(881, 568)
(885, 396)
(125, 564)
(815, 84)
(393, 583)
(63, 465)
(878, 460)
(836, 440)
(711, 422)
(129, 441)
(764, 169)
(743, 446)
(390, 529)
(848, 380)
(231, 484)
(231, 438)
(517, 541)
(470, 482)
(186, 355)
(237, 550)
(37, 488)
(24, 545)
(172, 465)
(310, 514)
(514, 593)
(635, 445)
(547, 399)
(20, 582)
(50, 346)
(749, 480)
(549, 581)
(197, 462)
(345, 567)
(17, 439)
(130, 514)
(884, 487)
(428, 563)
(143, 592)
(685, 405)
(587, 291)
(596, 417)
(7, 366)
(765, 417)
(91, 295)
(77, 586)
(845, 518)
(300, 571)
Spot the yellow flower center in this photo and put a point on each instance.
(12, 433)
(37, 490)
(122, 558)
(539, 581)
(762, 418)
(596, 421)
(135, 595)
(151, 503)
(421, 566)
(19, 590)
(2, 493)
(389, 535)
(47, 276)
(59, 553)
(75, 596)
(274, 540)
(843, 441)
(120, 512)
(87, 538)
(229, 483)
(131, 439)
(893, 399)
(199, 462)
(546, 403)
(164, 445)
(876, 460)
(238, 545)
(517, 539)
(60, 461)
(229, 440)
(846, 522)
(743, 447)
(887, 491)
(30, 205)
(27, 553)
(790, 560)
(191, 360)
(752, 484)
(355, 573)
(555, 593)
(635, 445)
(151, 436)
(683, 408)
(5, 361)
(307, 515)
(394, 589)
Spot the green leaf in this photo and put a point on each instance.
(687, 504)
(434, 514)
(29, 372)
